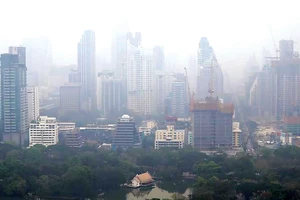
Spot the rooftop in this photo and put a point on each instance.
(144, 178)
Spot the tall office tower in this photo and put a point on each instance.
(126, 134)
(212, 124)
(87, 69)
(14, 111)
(205, 57)
(43, 131)
(163, 85)
(158, 58)
(70, 97)
(38, 60)
(20, 51)
(74, 76)
(109, 93)
(179, 98)
(140, 81)
(286, 49)
(33, 103)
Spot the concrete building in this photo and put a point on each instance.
(205, 57)
(236, 135)
(65, 126)
(43, 131)
(70, 97)
(179, 98)
(33, 100)
(109, 93)
(140, 81)
(72, 138)
(38, 59)
(163, 85)
(169, 138)
(87, 69)
(158, 58)
(14, 111)
(74, 76)
(126, 134)
(212, 124)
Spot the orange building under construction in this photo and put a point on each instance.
(212, 123)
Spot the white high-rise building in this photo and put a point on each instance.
(33, 103)
(87, 69)
(43, 131)
(140, 81)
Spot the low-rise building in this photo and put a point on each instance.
(170, 138)
(141, 180)
(65, 126)
(236, 135)
(43, 131)
(73, 138)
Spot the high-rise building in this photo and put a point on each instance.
(236, 135)
(74, 76)
(20, 51)
(126, 134)
(140, 81)
(109, 90)
(179, 98)
(43, 131)
(14, 111)
(33, 103)
(163, 85)
(70, 97)
(87, 69)
(205, 62)
(212, 124)
(158, 58)
(38, 60)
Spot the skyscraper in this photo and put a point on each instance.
(178, 97)
(70, 97)
(109, 93)
(38, 60)
(87, 69)
(33, 103)
(158, 58)
(140, 81)
(14, 111)
(205, 57)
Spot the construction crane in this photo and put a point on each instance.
(274, 43)
(188, 86)
(212, 73)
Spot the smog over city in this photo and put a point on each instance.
(156, 100)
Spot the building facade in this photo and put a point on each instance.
(70, 97)
(140, 81)
(87, 69)
(169, 138)
(236, 135)
(33, 103)
(109, 93)
(205, 71)
(14, 110)
(179, 98)
(158, 58)
(212, 124)
(126, 134)
(43, 131)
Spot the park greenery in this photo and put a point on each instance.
(59, 171)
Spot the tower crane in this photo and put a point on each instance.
(212, 73)
(188, 87)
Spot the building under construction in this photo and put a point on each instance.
(212, 123)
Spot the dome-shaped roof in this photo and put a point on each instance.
(125, 117)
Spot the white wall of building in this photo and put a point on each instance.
(169, 138)
(33, 103)
(44, 131)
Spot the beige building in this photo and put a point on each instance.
(236, 134)
(170, 138)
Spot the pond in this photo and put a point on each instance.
(160, 190)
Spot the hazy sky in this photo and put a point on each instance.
(235, 28)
